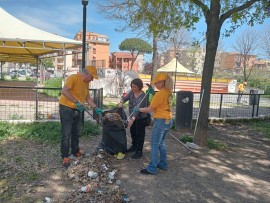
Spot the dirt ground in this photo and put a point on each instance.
(238, 173)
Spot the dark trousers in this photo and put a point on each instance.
(71, 123)
(137, 131)
(239, 96)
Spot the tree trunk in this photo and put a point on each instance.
(212, 38)
(155, 56)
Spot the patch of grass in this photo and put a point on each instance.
(7, 190)
(47, 132)
(3, 183)
(212, 144)
(33, 176)
(261, 126)
(186, 138)
(15, 117)
(110, 105)
(53, 83)
(18, 159)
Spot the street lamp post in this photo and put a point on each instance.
(84, 3)
(176, 59)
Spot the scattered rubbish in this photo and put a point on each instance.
(99, 191)
(118, 182)
(104, 167)
(192, 145)
(100, 156)
(48, 200)
(98, 182)
(85, 189)
(125, 198)
(92, 174)
(111, 176)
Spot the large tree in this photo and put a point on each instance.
(185, 13)
(216, 12)
(48, 62)
(148, 18)
(136, 47)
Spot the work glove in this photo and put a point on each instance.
(150, 90)
(136, 109)
(98, 110)
(79, 106)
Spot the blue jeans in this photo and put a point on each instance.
(71, 123)
(158, 146)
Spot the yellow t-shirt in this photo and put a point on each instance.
(78, 88)
(162, 104)
(241, 87)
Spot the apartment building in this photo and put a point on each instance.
(235, 61)
(122, 61)
(62, 63)
(98, 50)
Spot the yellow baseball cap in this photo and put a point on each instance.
(92, 70)
(158, 77)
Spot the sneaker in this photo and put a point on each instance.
(66, 162)
(137, 155)
(119, 156)
(80, 153)
(145, 172)
(131, 149)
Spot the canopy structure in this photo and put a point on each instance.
(20, 42)
(171, 67)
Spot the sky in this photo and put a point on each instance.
(64, 17)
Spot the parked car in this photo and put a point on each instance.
(14, 74)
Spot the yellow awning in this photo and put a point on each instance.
(20, 42)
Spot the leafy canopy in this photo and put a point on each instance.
(135, 45)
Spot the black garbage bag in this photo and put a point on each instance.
(114, 138)
(114, 141)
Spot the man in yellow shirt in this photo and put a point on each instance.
(71, 104)
(241, 90)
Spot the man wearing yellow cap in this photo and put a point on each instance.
(71, 104)
(161, 106)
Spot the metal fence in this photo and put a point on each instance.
(37, 103)
(225, 105)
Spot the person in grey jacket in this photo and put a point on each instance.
(137, 122)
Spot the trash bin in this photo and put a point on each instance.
(253, 97)
(184, 109)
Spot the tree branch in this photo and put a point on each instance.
(200, 4)
(228, 14)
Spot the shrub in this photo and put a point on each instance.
(53, 83)
(44, 132)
